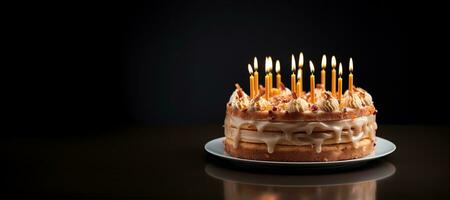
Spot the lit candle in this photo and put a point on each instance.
(252, 82)
(267, 79)
(300, 69)
(255, 73)
(277, 69)
(293, 79)
(299, 83)
(350, 76)
(339, 96)
(323, 73)
(333, 76)
(312, 83)
(270, 74)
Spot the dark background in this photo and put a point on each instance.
(169, 62)
(111, 100)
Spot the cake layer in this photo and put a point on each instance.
(299, 133)
(275, 115)
(331, 152)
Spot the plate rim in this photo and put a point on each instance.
(310, 163)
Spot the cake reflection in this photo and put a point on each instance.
(358, 184)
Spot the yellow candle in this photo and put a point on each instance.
(255, 66)
(300, 69)
(293, 79)
(323, 73)
(312, 83)
(350, 76)
(267, 79)
(333, 76)
(252, 82)
(339, 96)
(277, 69)
(299, 83)
(270, 74)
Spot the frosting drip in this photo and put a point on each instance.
(300, 132)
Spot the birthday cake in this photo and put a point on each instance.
(282, 124)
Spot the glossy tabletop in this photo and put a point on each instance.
(167, 162)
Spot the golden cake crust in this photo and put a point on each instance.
(274, 115)
(290, 153)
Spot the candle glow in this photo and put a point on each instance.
(267, 79)
(300, 72)
(252, 82)
(323, 72)
(312, 83)
(333, 76)
(300, 60)
(340, 83)
(350, 76)
(293, 79)
(299, 83)
(270, 75)
(256, 75)
(277, 70)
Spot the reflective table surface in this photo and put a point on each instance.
(167, 162)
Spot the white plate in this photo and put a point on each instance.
(383, 148)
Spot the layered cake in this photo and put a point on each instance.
(286, 126)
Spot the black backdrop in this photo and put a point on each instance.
(170, 62)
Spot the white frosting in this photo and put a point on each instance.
(297, 105)
(367, 99)
(259, 104)
(352, 100)
(239, 103)
(285, 92)
(300, 132)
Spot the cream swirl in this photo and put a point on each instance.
(285, 92)
(352, 100)
(328, 103)
(259, 104)
(239, 101)
(297, 105)
(365, 97)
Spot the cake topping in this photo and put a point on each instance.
(239, 100)
(352, 100)
(295, 99)
(259, 104)
(328, 103)
(365, 97)
(297, 105)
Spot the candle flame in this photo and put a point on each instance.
(266, 65)
(324, 61)
(300, 60)
(333, 62)
(299, 74)
(350, 65)
(311, 67)
(277, 66)
(270, 64)
(250, 69)
(340, 69)
(293, 63)
(255, 64)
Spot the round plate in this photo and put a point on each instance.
(383, 148)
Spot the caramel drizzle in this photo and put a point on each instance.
(291, 131)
